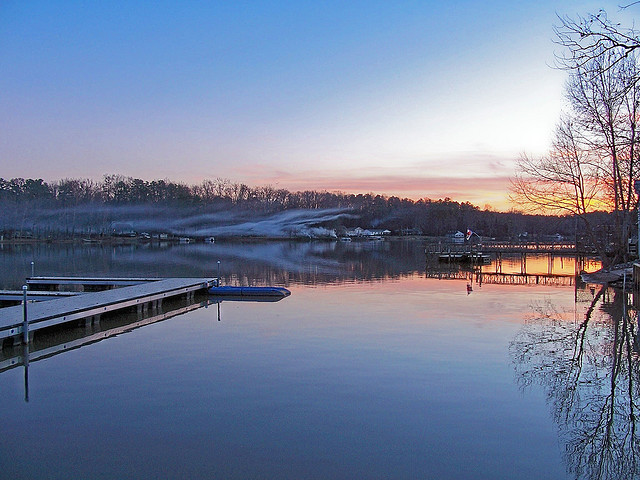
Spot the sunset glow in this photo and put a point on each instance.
(419, 100)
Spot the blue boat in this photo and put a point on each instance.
(250, 291)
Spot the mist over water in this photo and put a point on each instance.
(183, 221)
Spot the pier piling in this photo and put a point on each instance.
(25, 319)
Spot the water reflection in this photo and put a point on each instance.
(376, 377)
(277, 262)
(586, 360)
(50, 342)
(25, 362)
(242, 263)
(541, 269)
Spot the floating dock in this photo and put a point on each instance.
(89, 306)
(32, 295)
(250, 291)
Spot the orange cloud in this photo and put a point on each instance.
(479, 191)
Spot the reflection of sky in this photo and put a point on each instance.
(449, 299)
(407, 378)
(541, 264)
(349, 94)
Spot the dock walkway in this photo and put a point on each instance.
(89, 306)
(33, 295)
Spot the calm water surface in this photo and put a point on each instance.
(370, 369)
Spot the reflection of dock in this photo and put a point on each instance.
(541, 268)
(75, 338)
(88, 307)
(505, 278)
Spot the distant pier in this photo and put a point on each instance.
(456, 249)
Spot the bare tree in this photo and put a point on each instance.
(583, 37)
(567, 180)
(594, 157)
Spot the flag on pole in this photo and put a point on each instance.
(469, 233)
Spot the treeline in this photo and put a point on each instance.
(121, 190)
(400, 215)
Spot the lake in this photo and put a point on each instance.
(379, 365)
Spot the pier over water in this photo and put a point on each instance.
(505, 263)
(497, 247)
(88, 307)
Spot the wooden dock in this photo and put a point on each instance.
(556, 248)
(89, 306)
(495, 247)
(32, 295)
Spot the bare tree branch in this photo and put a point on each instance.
(594, 157)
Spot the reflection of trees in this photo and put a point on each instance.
(242, 263)
(588, 366)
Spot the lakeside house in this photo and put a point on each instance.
(362, 232)
(121, 229)
(456, 237)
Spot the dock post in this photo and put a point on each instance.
(33, 269)
(25, 321)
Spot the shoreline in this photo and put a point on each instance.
(115, 240)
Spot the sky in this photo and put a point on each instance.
(419, 99)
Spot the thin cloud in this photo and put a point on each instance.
(479, 190)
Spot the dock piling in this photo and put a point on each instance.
(25, 320)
